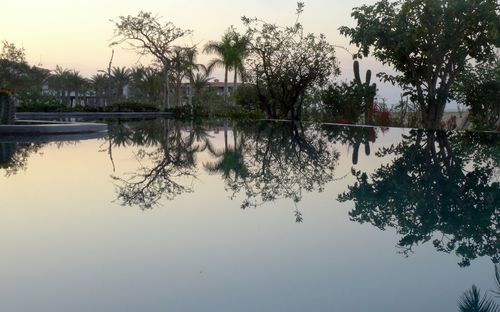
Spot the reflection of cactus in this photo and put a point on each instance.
(7, 108)
(368, 91)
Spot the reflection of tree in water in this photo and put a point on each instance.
(229, 161)
(277, 160)
(166, 157)
(14, 156)
(435, 189)
(473, 301)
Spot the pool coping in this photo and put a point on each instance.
(37, 127)
(35, 115)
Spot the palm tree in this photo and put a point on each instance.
(183, 62)
(240, 46)
(497, 280)
(99, 83)
(199, 80)
(121, 78)
(232, 51)
(225, 54)
(230, 160)
(59, 82)
(77, 84)
(472, 301)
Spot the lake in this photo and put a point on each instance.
(163, 215)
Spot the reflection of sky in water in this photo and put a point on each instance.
(68, 245)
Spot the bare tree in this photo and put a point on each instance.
(149, 36)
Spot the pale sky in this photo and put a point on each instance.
(76, 34)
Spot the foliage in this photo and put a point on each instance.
(472, 301)
(40, 102)
(343, 102)
(15, 73)
(478, 88)
(231, 52)
(348, 102)
(163, 168)
(428, 42)
(440, 187)
(497, 280)
(14, 156)
(149, 36)
(406, 114)
(247, 96)
(285, 64)
(281, 160)
(13, 54)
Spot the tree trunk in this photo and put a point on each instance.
(166, 93)
(190, 97)
(433, 114)
(226, 93)
(7, 109)
(235, 81)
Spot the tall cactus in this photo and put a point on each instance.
(368, 90)
(7, 108)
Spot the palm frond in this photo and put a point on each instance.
(472, 301)
(497, 280)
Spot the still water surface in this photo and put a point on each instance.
(168, 216)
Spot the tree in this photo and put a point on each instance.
(230, 53)
(146, 33)
(343, 102)
(240, 46)
(77, 83)
(478, 88)
(199, 79)
(285, 64)
(100, 85)
(16, 74)
(183, 64)
(120, 77)
(11, 53)
(428, 42)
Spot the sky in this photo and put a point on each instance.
(76, 34)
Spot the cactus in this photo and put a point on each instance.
(7, 108)
(367, 90)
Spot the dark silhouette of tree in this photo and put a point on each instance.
(149, 35)
(434, 190)
(286, 64)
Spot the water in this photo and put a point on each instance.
(224, 216)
